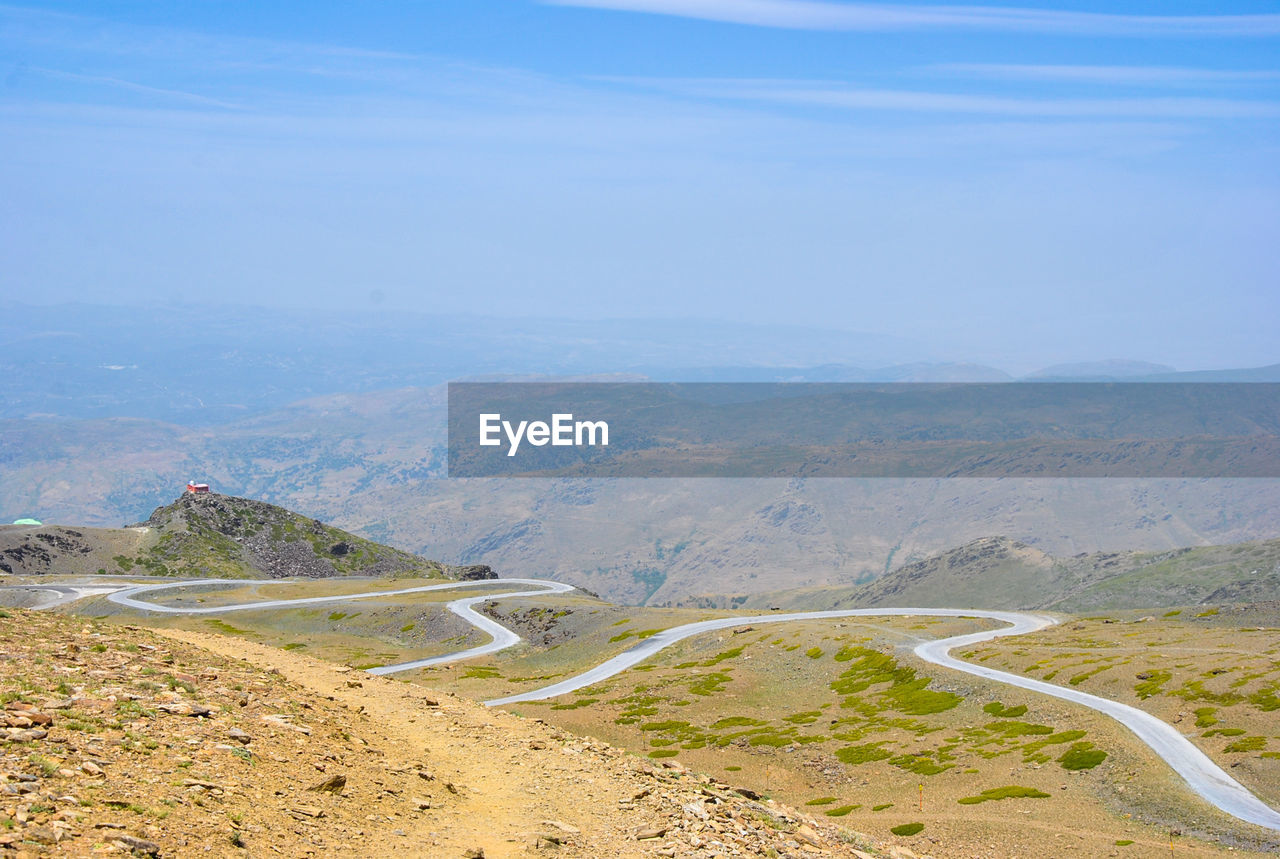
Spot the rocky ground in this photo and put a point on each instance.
(120, 740)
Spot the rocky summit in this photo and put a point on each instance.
(217, 536)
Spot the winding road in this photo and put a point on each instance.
(1201, 774)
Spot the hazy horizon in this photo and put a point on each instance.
(1011, 186)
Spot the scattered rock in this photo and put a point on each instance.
(806, 834)
(137, 845)
(563, 827)
(333, 784)
(648, 833)
(186, 708)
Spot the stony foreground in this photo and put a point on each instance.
(118, 740)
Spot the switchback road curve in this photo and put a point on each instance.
(1201, 774)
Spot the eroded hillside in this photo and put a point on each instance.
(119, 739)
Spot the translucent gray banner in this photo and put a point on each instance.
(1047, 429)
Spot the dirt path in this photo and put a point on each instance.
(520, 787)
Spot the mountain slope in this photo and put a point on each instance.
(212, 535)
(996, 572)
(245, 750)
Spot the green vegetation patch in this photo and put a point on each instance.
(710, 684)
(922, 763)
(1019, 729)
(1000, 711)
(841, 811)
(862, 754)
(1266, 700)
(1012, 791)
(806, 718)
(1205, 717)
(737, 722)
(1152, 683)
(1082, 756)
(482, 672)
(667, 726)
(905, 692)
(908, 829)
(822, 800)
(225, 628)
(1247, 744)
(581, 702)
(721, 657)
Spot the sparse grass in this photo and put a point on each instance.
(225, 628)
(1012, 791)
(861, 754)
(581, 702)
(1019, 729)
(482, 672)
(1247, 744)
(722, 656)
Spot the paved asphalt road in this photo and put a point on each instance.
(1200, 773)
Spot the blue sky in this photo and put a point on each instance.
(1006, 183)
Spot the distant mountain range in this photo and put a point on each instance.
(106, 413)
(372, 464)
(996, 572)
(203, 366)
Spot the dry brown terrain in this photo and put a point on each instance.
(123, 740)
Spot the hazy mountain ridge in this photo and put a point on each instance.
(370, 462)
(203, 366)
(996, 572)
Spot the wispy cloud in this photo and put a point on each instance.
(118, 83)
(839, 95)
(1133, 75)
(820, 15)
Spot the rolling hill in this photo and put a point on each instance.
(212, 535)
